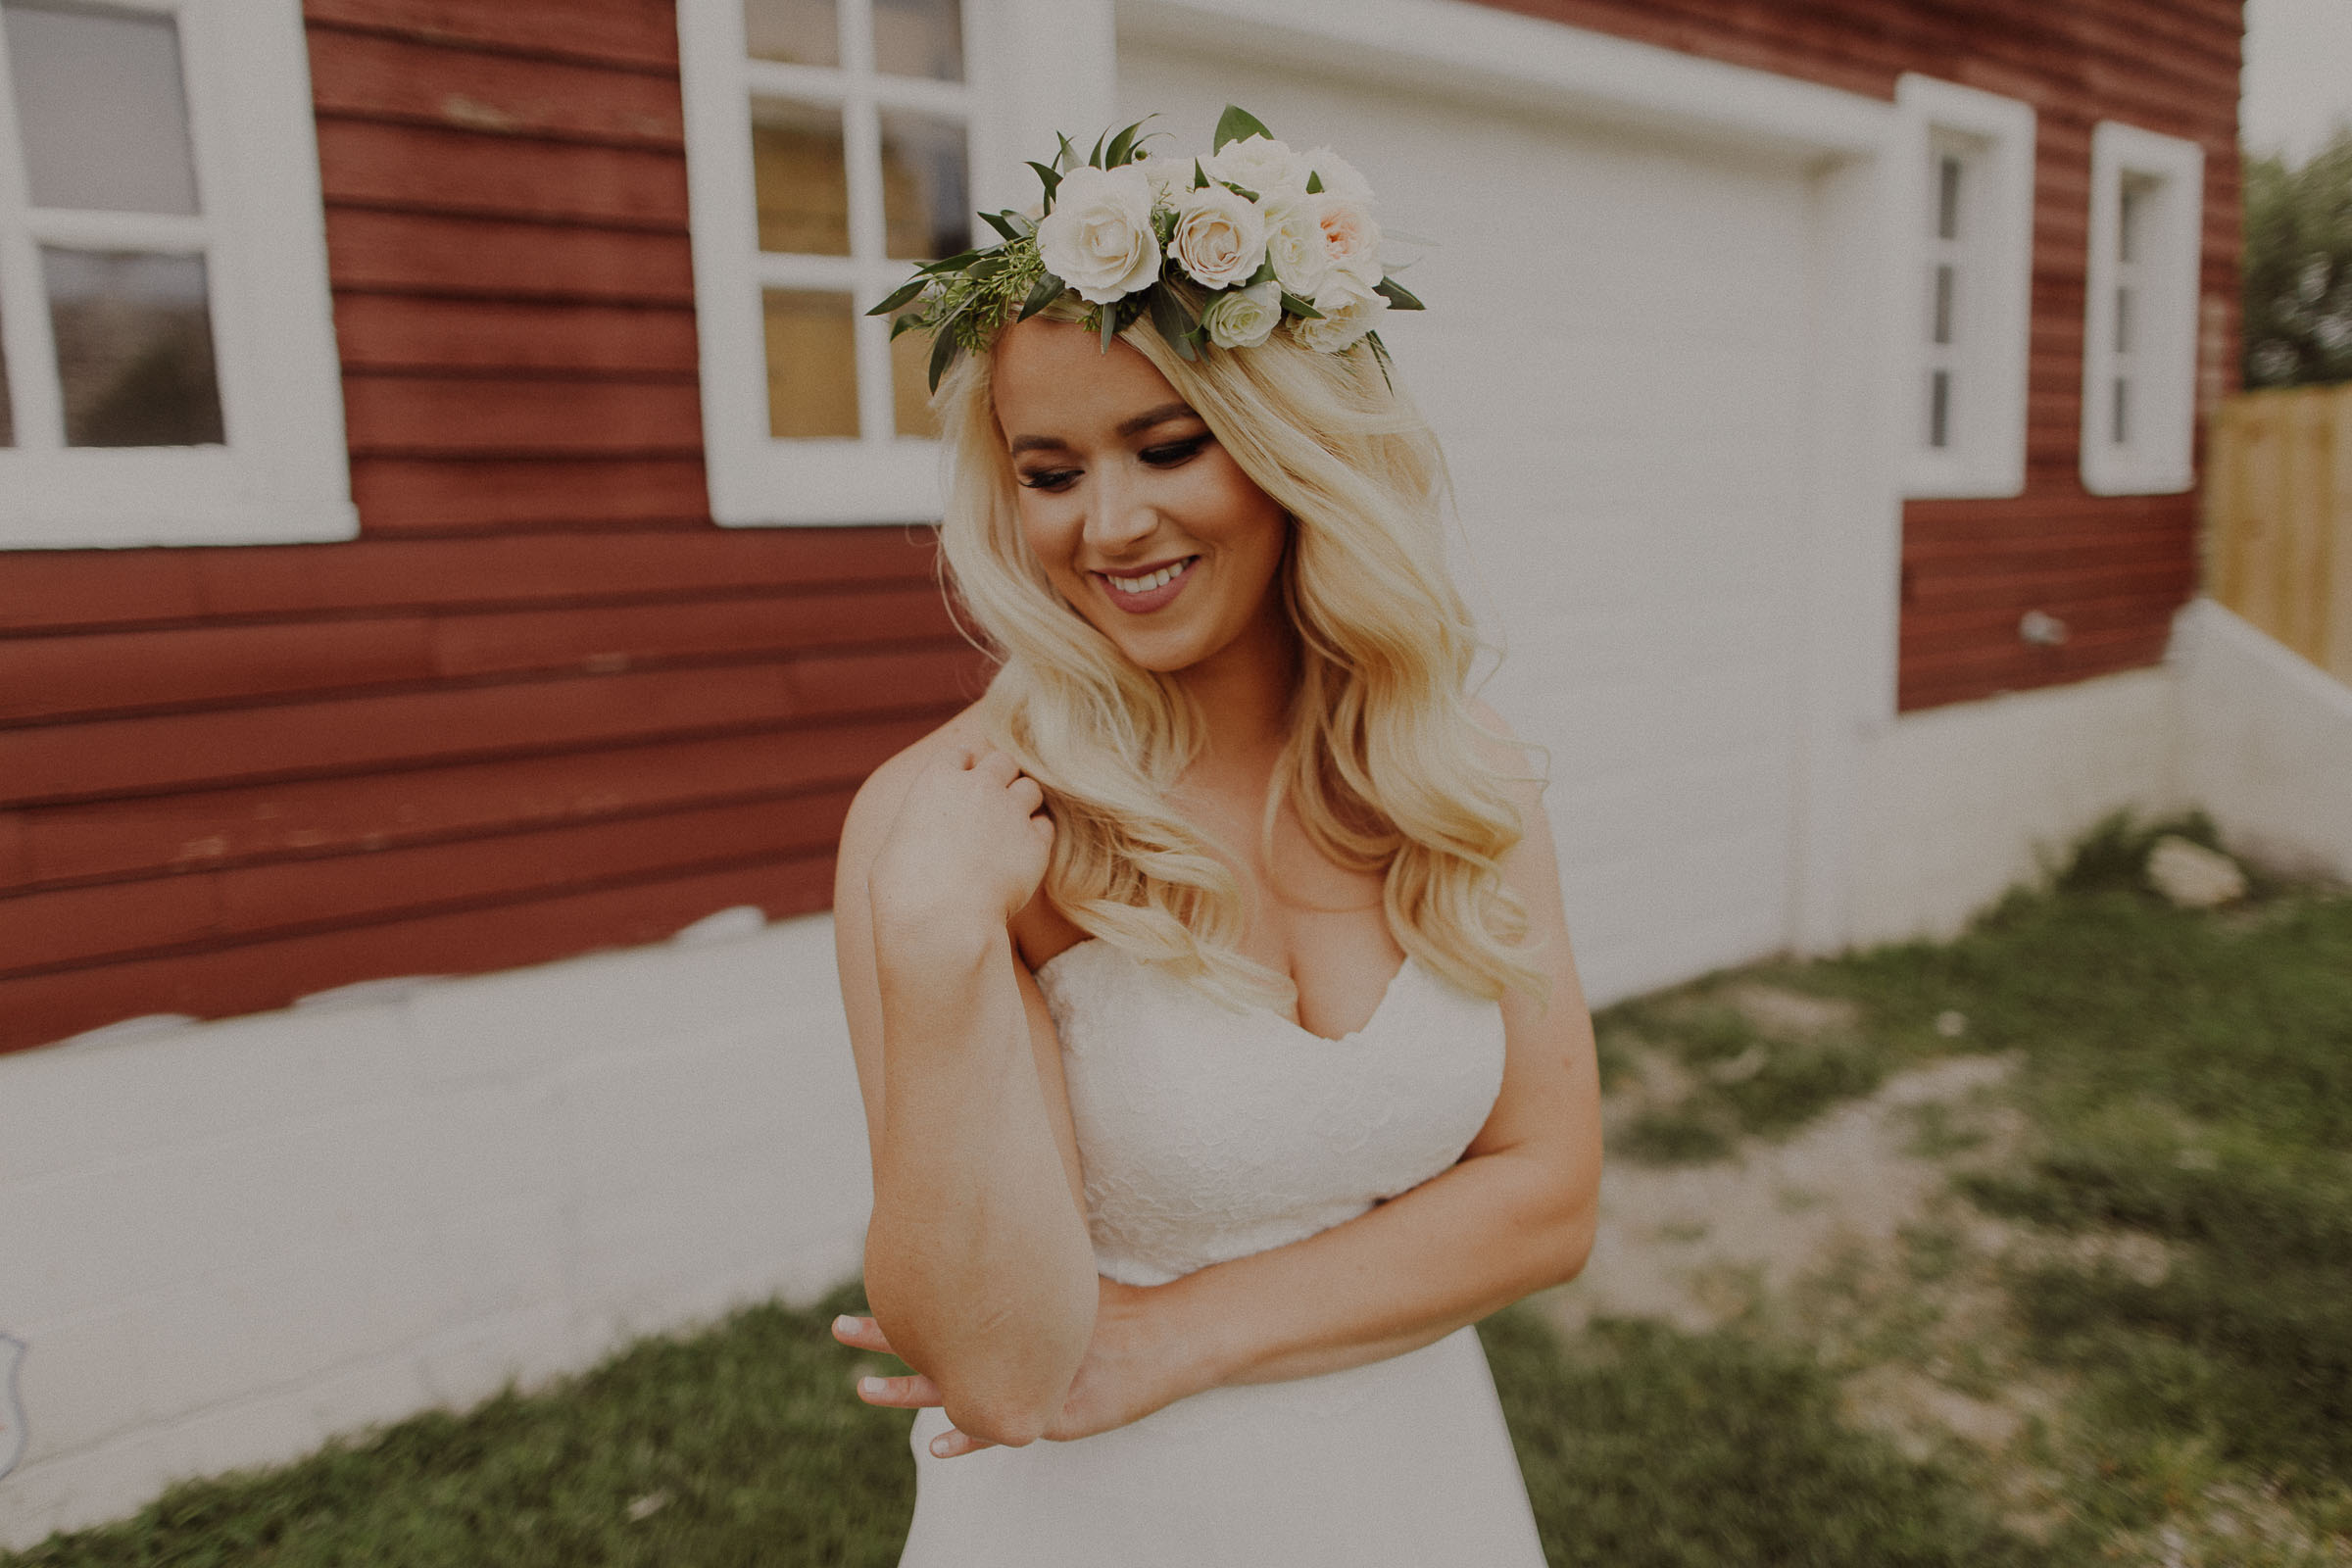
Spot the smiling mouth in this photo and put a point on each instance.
(1143, 591)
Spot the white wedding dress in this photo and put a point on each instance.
(1207, 1135)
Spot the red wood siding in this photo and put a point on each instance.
(543, 704)
(2114, 568)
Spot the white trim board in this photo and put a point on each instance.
(1462, 49)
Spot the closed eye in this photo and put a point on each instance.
(1170, 454)
(1047, 479)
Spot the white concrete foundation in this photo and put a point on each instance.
(2266, 742)
(1958, 805)
(222, 1242)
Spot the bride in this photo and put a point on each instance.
(1222, 1054)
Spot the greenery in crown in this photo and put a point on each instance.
(1223, 250)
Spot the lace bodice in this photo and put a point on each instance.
(1207, 1134)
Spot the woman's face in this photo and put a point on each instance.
(1143, 522)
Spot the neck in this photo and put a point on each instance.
(1245, 691)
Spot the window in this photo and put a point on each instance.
(166, 354)
(1972, 243)
(2139, 338)
(830, 145)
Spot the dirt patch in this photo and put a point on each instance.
(1696, 1244)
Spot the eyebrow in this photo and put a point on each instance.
(1126, 427)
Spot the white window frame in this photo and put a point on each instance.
(1992, 261)
(755, 479)
(283, 473)
(2158, 456)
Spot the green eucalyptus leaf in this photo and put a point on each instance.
(995, 220)
(1175, 323)
(1049, 289)
(1051, 179)
(1397, 295)
(1110, 323)
(1200, 176)
(951, 264)
(1380, 357)
(987, 266)
(901, 295)
(1068, 157)
(1122, 146)
(943, 353)
(1242, 191)
(1299, 306)
(1095, 159)
(905, 324)
(1314, 184)
(1263, 275)
(1237, 124)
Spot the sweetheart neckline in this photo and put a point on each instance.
(1379, 1008)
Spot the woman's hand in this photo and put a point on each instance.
(1131, 1369)
(969, 836)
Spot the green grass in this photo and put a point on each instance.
(1646, 1448)
(748, 1434)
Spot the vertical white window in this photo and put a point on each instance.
(830, 147)
(166, 355)
(2139, 340)
(1969, 234)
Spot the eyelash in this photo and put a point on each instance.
(1167, 455)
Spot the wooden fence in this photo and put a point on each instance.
(2279, 517)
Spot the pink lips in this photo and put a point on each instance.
(1152, 598)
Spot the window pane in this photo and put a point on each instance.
(920, 38)
(799, 178)
(805, 32)
(911, 386)
(99, 106)
(925, 205)
(811, 365)
(134, 348)
(1942, 328)
(1947, 197)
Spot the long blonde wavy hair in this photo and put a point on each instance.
(1381, 767)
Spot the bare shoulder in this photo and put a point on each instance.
(878, 798)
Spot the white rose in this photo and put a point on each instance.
(1338, 177)
(1295, 243)
(1220, 237)
(1351, 241)
(1098, 238)
(1244, 318)
(1341, 325)
(1256, 162)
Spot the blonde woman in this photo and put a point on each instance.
(1222, 1054)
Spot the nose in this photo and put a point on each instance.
(1119, 513)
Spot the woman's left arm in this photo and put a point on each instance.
(1514, 1215)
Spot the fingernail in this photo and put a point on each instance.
(870, 1385)
(939, 1448)
(844, 1324)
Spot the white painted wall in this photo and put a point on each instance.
(224, 1242)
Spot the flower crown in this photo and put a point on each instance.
(1250, 238)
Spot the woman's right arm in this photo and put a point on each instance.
(977, 1260)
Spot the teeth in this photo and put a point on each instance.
(1145, 584)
